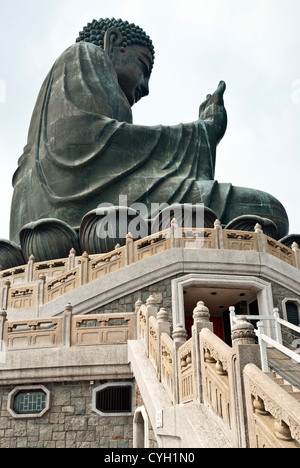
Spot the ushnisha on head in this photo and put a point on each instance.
(129, 48)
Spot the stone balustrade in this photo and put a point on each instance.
(67, 331)
(251, 408)
(38, 283)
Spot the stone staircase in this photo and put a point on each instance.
(287, 386)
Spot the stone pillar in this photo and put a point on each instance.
(41, 289)
(245, 351)
(261, 240)
(129, 251)
(175, 234)
(179, 337)
(201, 317)
(296, 254)
(163, 326)
(30, 269)
(5, 291)
(3, 319)
(151, 305)
(67, 326)
(84, 270)
(219, 234)
(71, 261)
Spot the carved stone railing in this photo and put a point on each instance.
(273, 415)
(67, 331)
(45, 281)
(204, 369)
(217, 378)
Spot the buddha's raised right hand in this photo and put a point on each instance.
(212, 110)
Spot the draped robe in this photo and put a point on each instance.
(83, 149)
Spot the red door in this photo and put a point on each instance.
(217, 322)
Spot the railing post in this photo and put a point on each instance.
(137, 309)
(41, 290)
(263, 347)
(129, 251)
(175, 234)
(261, 239)
(67, 326)
(296, 254)
(278, 333)
(3, 319)
(84, 269)
(245, 351)
(5, 290)
(201, 317)
(163, 326)
(30, 269)
(219, 234)
(71, 260)
(179, 337)
(151, 305)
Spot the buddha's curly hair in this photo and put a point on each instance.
(132, 35)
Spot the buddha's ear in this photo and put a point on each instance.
(113, 38)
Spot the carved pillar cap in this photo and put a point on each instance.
(179, 334)
(243, 331)
(162, 315)
(151, 301)
(68, 308)
(139, 302)
(201, 313)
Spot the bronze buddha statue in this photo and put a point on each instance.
(83, 149)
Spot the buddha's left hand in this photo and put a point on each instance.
(213, 110)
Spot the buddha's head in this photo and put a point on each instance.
(130, 50)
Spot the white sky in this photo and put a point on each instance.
(253, 45)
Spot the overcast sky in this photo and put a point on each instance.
(253, 45)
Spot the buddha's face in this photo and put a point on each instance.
(133, 66)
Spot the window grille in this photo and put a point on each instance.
(115, 399)
(28, 402)
(292, 313)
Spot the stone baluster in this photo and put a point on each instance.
(163, 326)
(3, 319)
(219, 235)
(296, 255)
(129, 251)
(151, 305)
(245, 351)
(201, 316)
(5, 294)
(72, 259)
(41, 289)
(67, 326)
(175, 234)
(179, 338)
(30, 269)
(84, 270)
(261, 239)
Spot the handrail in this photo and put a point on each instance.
(263, 339)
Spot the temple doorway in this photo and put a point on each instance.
(218, 301)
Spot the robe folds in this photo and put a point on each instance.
(84, 150)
